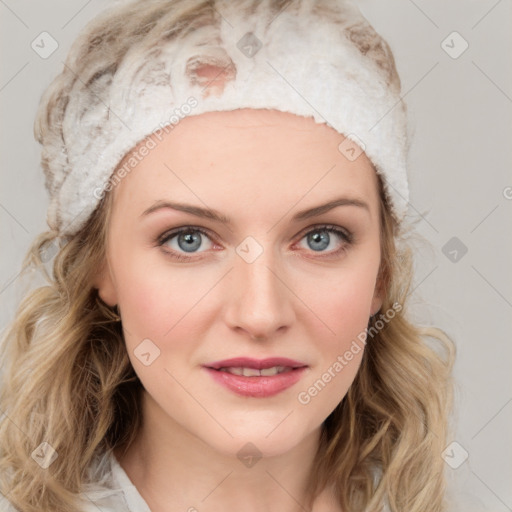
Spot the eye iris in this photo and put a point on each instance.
(192, 241)
(321, 238)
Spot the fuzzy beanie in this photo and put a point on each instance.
(141, 66)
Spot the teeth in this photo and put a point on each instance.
(253, 372)
(234, 371)
(250, 372)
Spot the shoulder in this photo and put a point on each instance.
(102, 490)
(106, 488)
(110, 489)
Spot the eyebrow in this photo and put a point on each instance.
(218, 217)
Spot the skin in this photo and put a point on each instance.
(259, 168)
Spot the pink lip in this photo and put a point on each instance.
(257, 387)
(248, 362)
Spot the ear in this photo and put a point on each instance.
(105, 285)
(378, 296)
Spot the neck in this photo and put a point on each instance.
(175, 470)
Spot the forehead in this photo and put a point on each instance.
(257, 153)
(197, 130)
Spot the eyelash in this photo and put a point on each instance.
(346, 236)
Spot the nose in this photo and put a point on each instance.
(259, 301)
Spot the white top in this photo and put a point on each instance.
(113, 491)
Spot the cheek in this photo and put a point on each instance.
(344, 308)
(168, 305)
(162, 325)
(152, 297)
(342, 299)
(343, 304)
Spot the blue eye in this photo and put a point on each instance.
(190, 240)
(320, 238)
(187, 240)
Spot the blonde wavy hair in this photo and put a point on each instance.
(67, 380)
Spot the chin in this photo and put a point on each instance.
(258, 440)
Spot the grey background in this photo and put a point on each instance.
(460, 180)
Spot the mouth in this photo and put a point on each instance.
(257, 378)
(281, 364)
(254, 372)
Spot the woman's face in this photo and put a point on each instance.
(261, 269)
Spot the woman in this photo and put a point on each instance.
(226, 320)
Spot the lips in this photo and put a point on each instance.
(256, 378)
(257, 364)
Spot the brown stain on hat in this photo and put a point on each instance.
(210, 74)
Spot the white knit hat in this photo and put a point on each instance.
(314, 58)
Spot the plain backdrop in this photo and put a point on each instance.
(460, 108)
